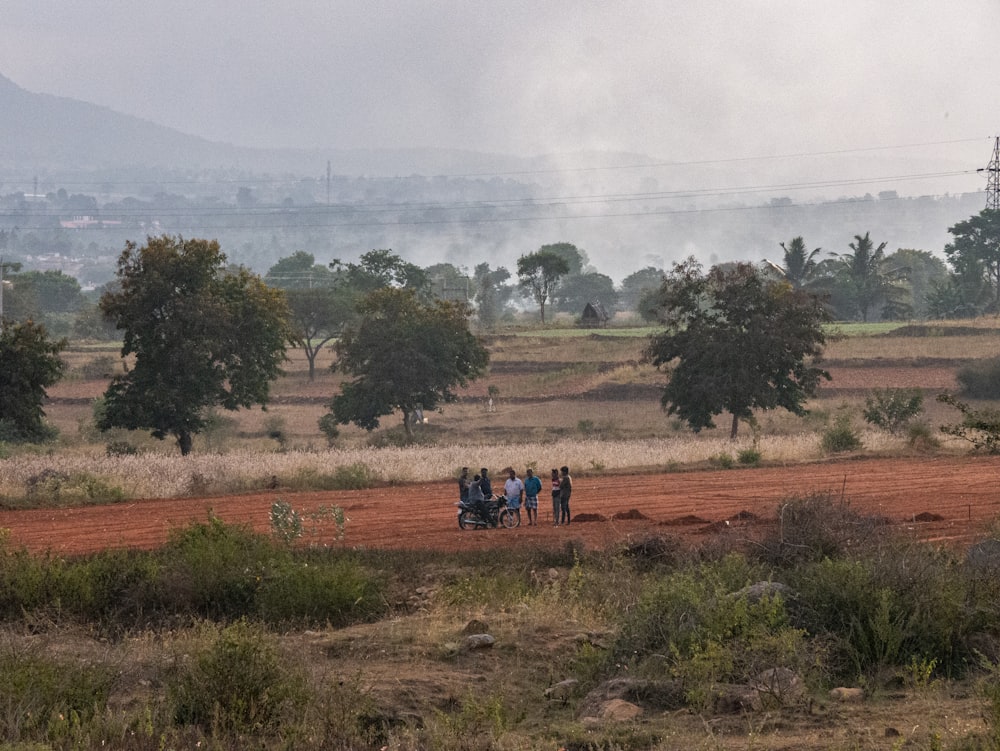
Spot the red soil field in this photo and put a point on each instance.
(950, 500)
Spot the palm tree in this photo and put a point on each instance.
(799, 264)
(865, 277)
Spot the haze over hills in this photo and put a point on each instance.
(45, 133)
(625, 210)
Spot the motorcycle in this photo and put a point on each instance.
(497, 514)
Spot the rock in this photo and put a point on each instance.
(561, 690)
(619, 710)
(842, 693)
(659, 695)
(475, 626)
(479, 641)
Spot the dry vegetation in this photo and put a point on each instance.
(586, 400)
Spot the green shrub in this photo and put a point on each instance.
(235, 683)
(892, 409)
(979, 427)
(749, 457)
(841, 436)
(304, 593)
(214, 570)
(120, 448)
(980, 379)
(328, 427)
(920, 436)
(722, 460)
(356, 476)
(38, 691)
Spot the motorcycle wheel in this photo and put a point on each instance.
(509, 519)
(467, 519)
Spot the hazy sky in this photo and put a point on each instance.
(675, 79)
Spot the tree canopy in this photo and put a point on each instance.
(29, 364)
(539, 274)
(975, 250)
(201, 335)
(404, 354)
(735, 342)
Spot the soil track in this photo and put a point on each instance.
(946, 499)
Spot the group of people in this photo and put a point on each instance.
(479, 490)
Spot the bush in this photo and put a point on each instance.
(101, 367)
(749, 457)
(892, 409)
(841, 436)
(814, 527)
(980, 379)
(38, 690)
(309, 593)
(214, 570)
(980, 427)
(235, 683)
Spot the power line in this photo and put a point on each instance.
(532, 202)
(553, 170)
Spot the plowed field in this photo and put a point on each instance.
(946, 499)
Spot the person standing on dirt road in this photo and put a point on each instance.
(463, 485)
(555, 498)
(532, 487)
(513, 490)
(565, 490)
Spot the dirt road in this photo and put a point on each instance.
(952, 499)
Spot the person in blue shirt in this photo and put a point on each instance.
(532, 487)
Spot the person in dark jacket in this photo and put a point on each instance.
(565, 490)
(485, 483)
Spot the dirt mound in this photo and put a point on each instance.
(632, 513)
(744, 516)
(590, 518)
(927, 516)
(680, 521)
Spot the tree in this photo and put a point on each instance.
(29, 364)
(404, 355)
(799, 265)
(383, 268)
(576, 290)
(924, 271)
(319, 303)
(636, 284)
(976, 248)
(54, 291)
(492, 293)
(576, 259)
(201, 336)
(736, 342)
(539, 273)
(867, 279)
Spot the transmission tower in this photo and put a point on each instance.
(993, 179)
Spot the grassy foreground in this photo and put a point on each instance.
(225, 639)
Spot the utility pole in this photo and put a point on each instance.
(327, 182)
(993, 178)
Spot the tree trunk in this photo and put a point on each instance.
(542, 307)
(184, 441)
(406, 425)
(736, 426)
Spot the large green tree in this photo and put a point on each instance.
(637, 284)
(201, 335)
(975, 249)
(29, 364)
(404, 354)
(576, 290)
(539, 273)
(736, 342)
(318, 299)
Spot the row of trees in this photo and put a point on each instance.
(201, 333)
